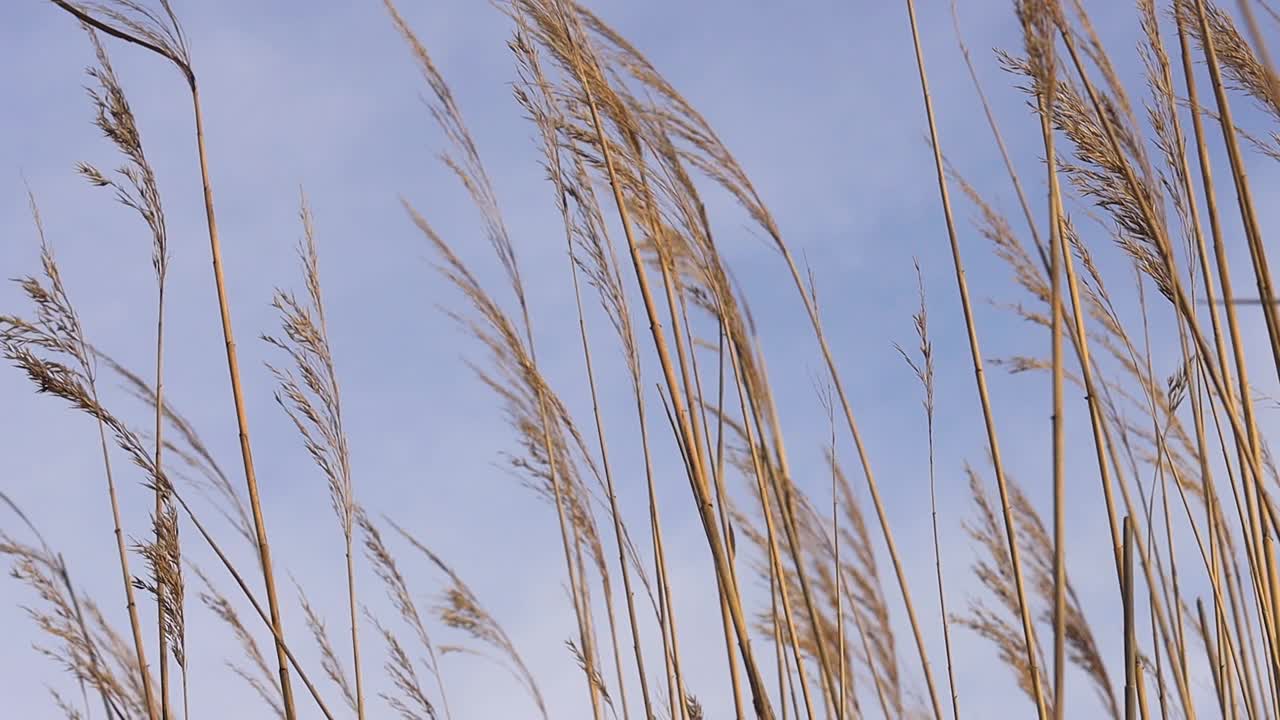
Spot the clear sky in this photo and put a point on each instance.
(820, 102)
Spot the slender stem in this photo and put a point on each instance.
(130, 604)
(242, 419)
(1212, 657)
(759, 465)
(604, 456)
(1028, 629)
(1130, 631)
(1057, 249)
(355, 627)
(785, 490)
(720, 494)
(160, 503)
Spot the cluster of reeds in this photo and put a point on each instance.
(807, 610)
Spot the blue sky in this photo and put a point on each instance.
(819, 101)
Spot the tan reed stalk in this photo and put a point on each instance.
(1208, 556)
(242, 418)
(614, 299)
(779, 655)
(1151, 576)
(1174, 602)
(1246, 663)
(785, 491)
(1245, 658)
(606, 590)
(667, 618)
(1228, 566)
(963, 287)
(609, 487)
(1212, 657)
(760, 397)
(720, 501)
(580, 587)
(613, 498)
(130, 603)
(1130, 633)
(717, 481)
(860, 625)
(747, 399)
(1143, 712)
(1161, 693)
(670, 633)
(1058, 250)
(666, 611)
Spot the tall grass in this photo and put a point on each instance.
(1181, 458)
